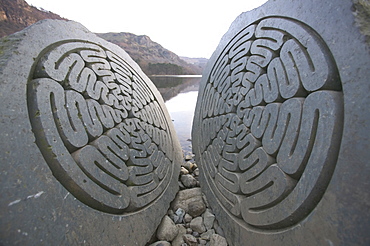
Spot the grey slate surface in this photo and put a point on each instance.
(281, 128)
(88, 152)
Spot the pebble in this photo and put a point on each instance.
(184, 171)
(207, 235)
(196, 172)
(202, 242)
(187, 218)
(217, 240)
(161, 243)
(178, 217)
(184, 197)
(188, 181)
(179, 240)
(188, 166)
(189, 221)
(197, 225)
(208, 218)
(196, 208)
(167, 229)
(190, 240)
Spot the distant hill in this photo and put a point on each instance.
(199, 62)
(16, 15)
(151, 56)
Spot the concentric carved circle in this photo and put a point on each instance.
(269, 123)
(100, 127)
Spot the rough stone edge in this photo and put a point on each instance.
(361, 11)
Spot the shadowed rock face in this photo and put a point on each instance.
(271, 122)
(88, 149)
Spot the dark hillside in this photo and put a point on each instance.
(16, 15)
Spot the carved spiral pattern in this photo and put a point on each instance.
(100, 127)
(270, 123)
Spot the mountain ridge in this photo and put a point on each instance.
(153, 59)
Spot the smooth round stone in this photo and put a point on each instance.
(88, 151)
(281, 127)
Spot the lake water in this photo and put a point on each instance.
(180, 95)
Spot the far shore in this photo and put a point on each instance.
(179, 76)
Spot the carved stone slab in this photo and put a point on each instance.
(282, 126)
(88, 153)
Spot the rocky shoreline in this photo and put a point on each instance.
(189, 220)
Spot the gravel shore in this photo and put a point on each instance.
(189, 220)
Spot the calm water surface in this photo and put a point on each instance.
(180, 96)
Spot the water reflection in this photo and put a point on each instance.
(171, 86)
(180, 95)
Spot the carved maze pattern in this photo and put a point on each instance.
(270, 123)
(100, 127)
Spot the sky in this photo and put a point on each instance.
(191, 28)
